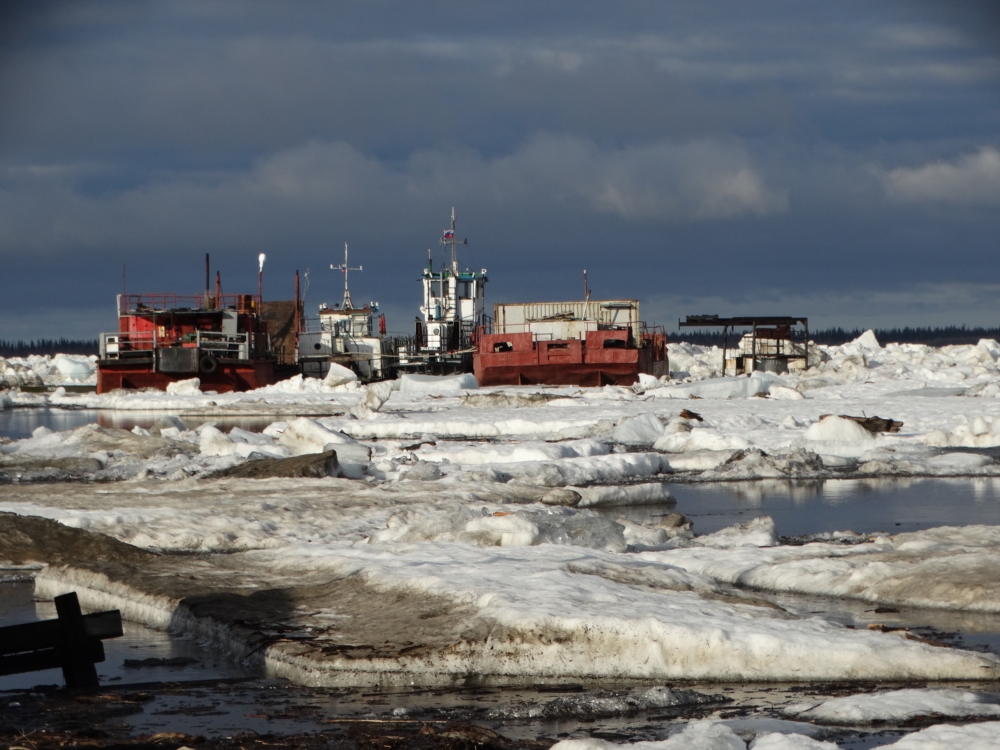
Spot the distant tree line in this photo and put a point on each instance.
(48, 346)
(835, 336)
(829, 336)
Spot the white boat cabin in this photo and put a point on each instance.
(453, 301)
(348, 335)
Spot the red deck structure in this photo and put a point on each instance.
(163, 338)
(573, 343)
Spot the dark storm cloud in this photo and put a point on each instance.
(719, 155)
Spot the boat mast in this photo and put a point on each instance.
(345, 269)
(449, 238)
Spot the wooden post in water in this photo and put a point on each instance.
(77, 664)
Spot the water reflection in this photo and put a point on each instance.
(756, 492)
(130, 420)
(18, 424)
(986, 488)
(848, 487)
(886, 504)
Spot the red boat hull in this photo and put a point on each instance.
(583, 375)
(227, 377)
(604, 358)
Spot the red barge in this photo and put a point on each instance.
(586, 343)
(220, 339)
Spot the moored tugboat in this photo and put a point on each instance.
(452, 308)
(353, 337)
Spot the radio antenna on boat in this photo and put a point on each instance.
(345, 269)
(448, 238)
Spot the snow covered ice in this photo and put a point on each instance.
(899, 705)
(477, 510)
(43, 369)
(713, 735)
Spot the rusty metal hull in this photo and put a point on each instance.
(227, 377)
(619, 373)
(603, 358)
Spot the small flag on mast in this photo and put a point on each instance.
(449, 234)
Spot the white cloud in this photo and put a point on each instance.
(973, 179)
(668, 182)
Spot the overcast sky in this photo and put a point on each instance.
(835, 160)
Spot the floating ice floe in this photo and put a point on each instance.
(701, 735)
(304, 435)
(649, 382)
(188, 387)
(838, 437)
(721, 388)
(436, 385)
(93, 451)
(214, 442)
(720, 735)
(37, 370)
(651, 493)
(373, 399)
(898, 706)
(644, 429)
(759, 532)
(947, 567)
(505, 529)
(699, 439)
(985, 736)
(513, 452)
(582, 471)
(339, 375)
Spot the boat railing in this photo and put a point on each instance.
(126, 345)
(653, 337)
(537, 330)
(147, 304)
(139, 345)
(224, 345)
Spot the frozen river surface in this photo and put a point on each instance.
(748, 531)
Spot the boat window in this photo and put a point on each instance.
(465, 289)
(614, 343)
(435, 288)
(503, 346)
(558, 346)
